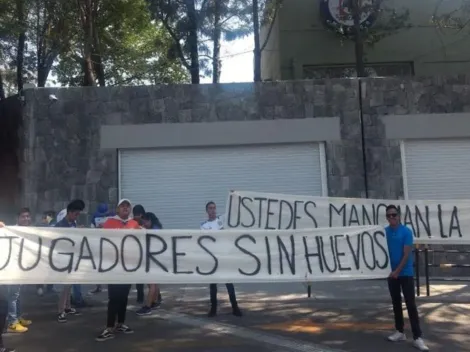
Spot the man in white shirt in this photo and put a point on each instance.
(214, 222)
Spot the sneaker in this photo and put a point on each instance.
(213, 312)
(96, 290)
(124, 329)
(62, 318)
(237, 312)
(107, 334)
(4, 349)
(25, 322)
(16, 328)
(40, 291)
(155, 305)
(397, 336)
(72, 311)
(419, 344)
(144, 311)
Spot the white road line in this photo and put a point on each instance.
(290, 345)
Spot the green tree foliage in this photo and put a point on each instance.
(194, 24)
(127, 47)
(224, 19)
(7, 47)
(182, 19)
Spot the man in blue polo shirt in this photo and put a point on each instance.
(401, 279)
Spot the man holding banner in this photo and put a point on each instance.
(215, 223)
(400, 244)
(3, 312)
(72, 213)
(118, 294)
(17, 324)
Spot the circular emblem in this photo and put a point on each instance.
(339, 13)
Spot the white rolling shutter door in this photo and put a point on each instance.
(176, 184)
(437, 169)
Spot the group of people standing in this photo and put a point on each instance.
(70, 296)
(400, 280)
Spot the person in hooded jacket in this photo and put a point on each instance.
(101, 214)
(3, 311)
(138, 213)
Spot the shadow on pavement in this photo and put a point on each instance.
(358, 324)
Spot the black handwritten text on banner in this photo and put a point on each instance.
(30, 255)
(445, 221)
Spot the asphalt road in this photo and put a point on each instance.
(273, 322)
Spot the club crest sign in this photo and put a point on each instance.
(339, 13)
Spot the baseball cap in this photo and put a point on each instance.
(124, 200)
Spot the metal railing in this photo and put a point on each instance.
(427, 265)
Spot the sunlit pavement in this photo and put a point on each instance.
(354, 316)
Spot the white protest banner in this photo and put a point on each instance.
(431, 221)
(31, 255)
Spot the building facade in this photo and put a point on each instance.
(300, 46)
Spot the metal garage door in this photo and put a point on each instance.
(176, 184)
(437, 169)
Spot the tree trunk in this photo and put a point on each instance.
(42, 76)
(20, 13)
(47, 51)
(97, 57)
(193, 41)
(216, 62)
(2, 89)
(86, 14)
(257, 50)
(358, 40)
(98, 62)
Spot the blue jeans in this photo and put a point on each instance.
(14, 305)
(77, 293)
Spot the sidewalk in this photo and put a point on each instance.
(340, 317)
(359, 290)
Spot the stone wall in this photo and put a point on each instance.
(62, 159)
(394, 96)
